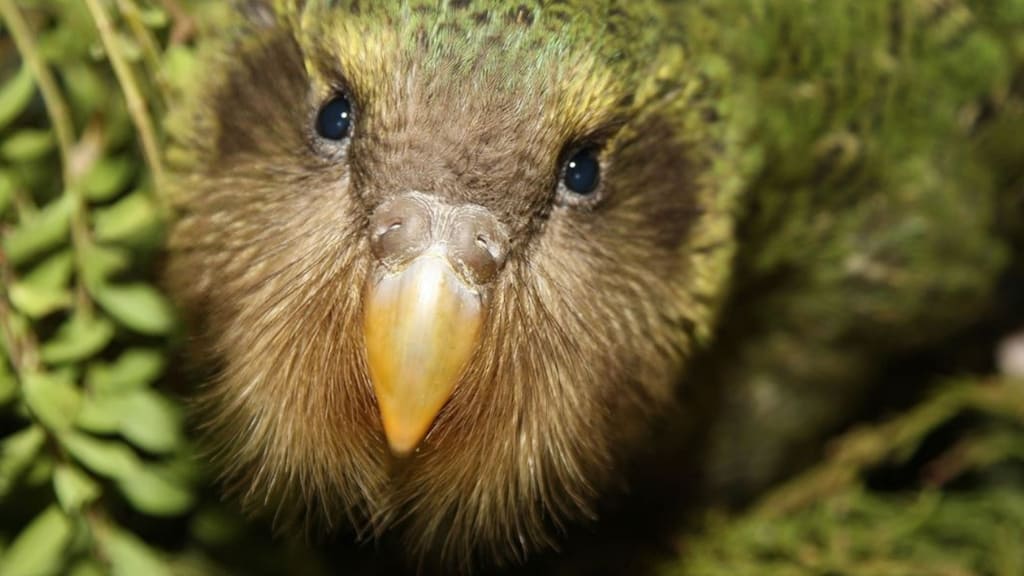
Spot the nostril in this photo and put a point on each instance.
(492, 248)
(383, 238)
(477, 244)
(483, 242)
(399, 229)
(387, 228)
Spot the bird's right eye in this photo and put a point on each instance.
(334, 121)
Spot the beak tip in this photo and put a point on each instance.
(402, 442)
(401, 450)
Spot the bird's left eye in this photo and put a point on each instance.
(334, 121)
(582, 172)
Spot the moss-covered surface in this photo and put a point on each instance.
(958, 508)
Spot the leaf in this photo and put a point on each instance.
(74, 488)
(70, 41)
(86, 84)
(156, 493)
(134, 369)
(39, 549)
(130, 556)
(27, 145)
(153, 17)
(139, 307)
(100, 263)
(144, 417)
(47, 229)
(80, 338)
(98, 414)
(107, 178)
(180, 66)
(150, 421)
(17, 453)
(53, 398)
(53, 273)
(131, 220)
(38, 302)
(108, 458)
(147, 488)
(15, 95)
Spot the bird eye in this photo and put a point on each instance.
(582, 172)
(334, 121)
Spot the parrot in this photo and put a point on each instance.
(449, 267)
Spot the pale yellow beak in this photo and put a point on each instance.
(421, 327)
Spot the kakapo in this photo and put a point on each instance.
(449, 259)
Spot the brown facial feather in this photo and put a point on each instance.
(588, 325)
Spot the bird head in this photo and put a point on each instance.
(445, 258)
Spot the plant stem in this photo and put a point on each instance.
(150, 50)
(137, 108)
(75, 160)
(56, 107)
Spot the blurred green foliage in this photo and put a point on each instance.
(88, 443)
(97, 471)
(961, 514)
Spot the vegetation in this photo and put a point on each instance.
(98, 473)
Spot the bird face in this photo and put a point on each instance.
(445, 260)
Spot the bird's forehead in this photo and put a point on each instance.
(561, 63)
